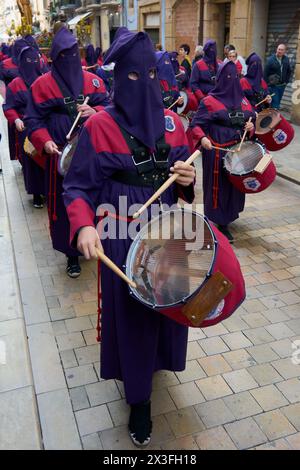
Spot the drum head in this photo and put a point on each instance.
(244, 161)
(184, 121)
(266, 121)
(66, 156)
(181, 108)
(170, 258)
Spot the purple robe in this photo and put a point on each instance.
(14, 107)
(212, 120)
(47, 119)
(136, 341)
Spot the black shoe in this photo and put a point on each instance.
(224, 229)
(73, 268)
(38, 201)
(140, 424)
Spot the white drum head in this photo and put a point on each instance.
(181, 108)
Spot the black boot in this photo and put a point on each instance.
(73, 268)
(224, 229)
(140, 424)
(38, 201)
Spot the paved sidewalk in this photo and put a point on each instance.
(240, 389)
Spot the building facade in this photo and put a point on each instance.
(250, 25)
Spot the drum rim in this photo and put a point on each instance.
(270, 111)
(260, 144)
(62, 155)
(208, 274)
(181, 108)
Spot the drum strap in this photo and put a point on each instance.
(151, 169)
(167, 96)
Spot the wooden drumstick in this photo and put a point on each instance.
(77, 119)
(262, 101)
(174, 103)
(224, 150)
(243, 138)
(114, 268)
(165, 185)
(90, 66)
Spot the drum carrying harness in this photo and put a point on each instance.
(151, 168)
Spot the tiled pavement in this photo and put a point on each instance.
(240, 389)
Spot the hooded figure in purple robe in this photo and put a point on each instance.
(221, 117)
(14, 108)
(167, 80)
(204, 71)
(51, 111)
(210, 55)
(253, 84)
(135, 340)
(254, 71)
(174, 61)
(66, 64)
(29, 65)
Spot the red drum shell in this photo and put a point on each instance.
(278, 137)
(254, 182)
(192, 104)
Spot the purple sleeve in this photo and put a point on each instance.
(9, 107)
(200, 124)
(194, 81)
(82, 185)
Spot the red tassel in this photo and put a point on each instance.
(54, 215)
(216, 170)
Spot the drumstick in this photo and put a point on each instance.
(90, 67)
(262, 101)
(77, 119)
(165, 185)
(114, 267)
(243, 138)
(174, 103)
(224, 150)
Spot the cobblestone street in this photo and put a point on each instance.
(240, 389)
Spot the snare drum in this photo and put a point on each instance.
(273, 129)
(190, 102)
(65, 158)
(251, 170)
(185, 269)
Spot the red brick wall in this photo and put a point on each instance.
(186, 24)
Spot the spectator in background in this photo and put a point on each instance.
(232, 55)
(184, 58)
(199, 53)
(277, 74)
(230, 47)
(158, 47)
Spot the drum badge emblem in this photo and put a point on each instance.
(169, 124)
(280, 136)
(96, 83)
(251, 183)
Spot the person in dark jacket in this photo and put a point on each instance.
(277, 74)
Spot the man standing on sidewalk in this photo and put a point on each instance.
(277, 74)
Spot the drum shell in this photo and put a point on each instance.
(278, 137)
(185, 121)
(227, 263)
(254, 182)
